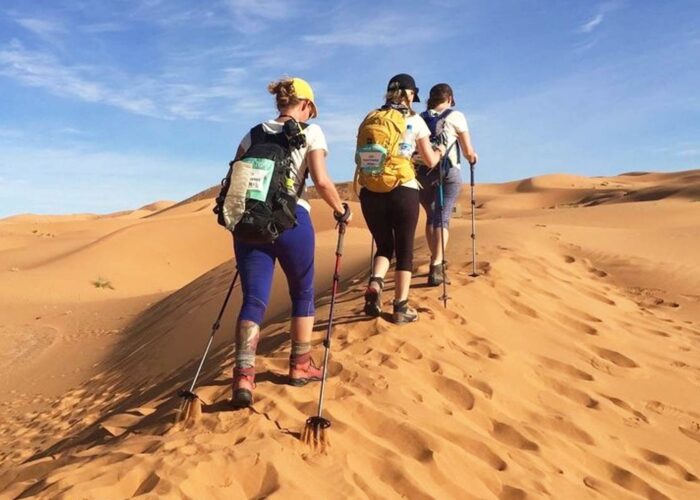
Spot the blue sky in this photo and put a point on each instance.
(109, 105)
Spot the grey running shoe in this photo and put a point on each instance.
(373, 297)
(403, 313)
(437, 274)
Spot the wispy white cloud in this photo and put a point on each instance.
(38, 69)
(245, 16)
(252, 16)
(689, 152)
(586, 45)
(602, 11)
(108, 27)
(169, 96)
(71, 131)
(340, 127)
(371, 32)
(592, 24)
(42, 27)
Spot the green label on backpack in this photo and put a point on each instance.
(260, 177)
(371, 159)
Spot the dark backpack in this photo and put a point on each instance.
(428, 175)
(270, 199)
(432, 123)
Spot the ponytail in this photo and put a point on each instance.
(283, 90)
(398, 97)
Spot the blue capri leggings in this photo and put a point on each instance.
(256, 264)
(430, 196)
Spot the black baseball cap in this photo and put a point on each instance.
(404, 81)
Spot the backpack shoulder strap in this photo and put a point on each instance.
(445, 114)
(300, 191)
(257, 134)
(431, 122)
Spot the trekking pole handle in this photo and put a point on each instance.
(342, 218)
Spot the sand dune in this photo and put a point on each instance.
(568, 369)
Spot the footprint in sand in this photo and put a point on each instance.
(575, 325)
(624, 479)
(562, 425)
(399, 434)
(632, 482)
(601, 297)
(509, 492)
(509, 435)
(409, 352)
(479, 450)
(615, 357)
(566, 369)
(568, 391)
(665, 409)
(582, 315)
(637, 416)
(598, 272)
(485, 348)
(521, 310)
(667, 462)
(481, 386)
(692, 431)
(453, 391)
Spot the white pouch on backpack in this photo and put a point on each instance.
(234, 203)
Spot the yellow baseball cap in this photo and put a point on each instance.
(303, 90)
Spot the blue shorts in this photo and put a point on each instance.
(256, 264)
(430, 196)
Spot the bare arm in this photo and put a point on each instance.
(428, 154)
(465, 143)
(324, 185)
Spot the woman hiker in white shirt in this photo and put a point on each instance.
(449, 128)
(294, 249)
(392, 216)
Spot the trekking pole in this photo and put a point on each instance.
(191, 407)
(441, 196)
(314, 433)
(471, 182)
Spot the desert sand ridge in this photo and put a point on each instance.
(568, 369)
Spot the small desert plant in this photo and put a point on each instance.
(101, 282)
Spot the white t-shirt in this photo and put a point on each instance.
(451, 126)
(314, 140)
(420, 130)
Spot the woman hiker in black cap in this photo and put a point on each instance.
(447, 126)
(391, 209)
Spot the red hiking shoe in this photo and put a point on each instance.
(303, 370)
(243, 385)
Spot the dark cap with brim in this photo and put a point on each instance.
(404, 81)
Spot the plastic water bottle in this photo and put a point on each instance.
(406, 144)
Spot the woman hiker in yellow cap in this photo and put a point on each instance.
(294, 248)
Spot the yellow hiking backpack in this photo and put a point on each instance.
(379, 166)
